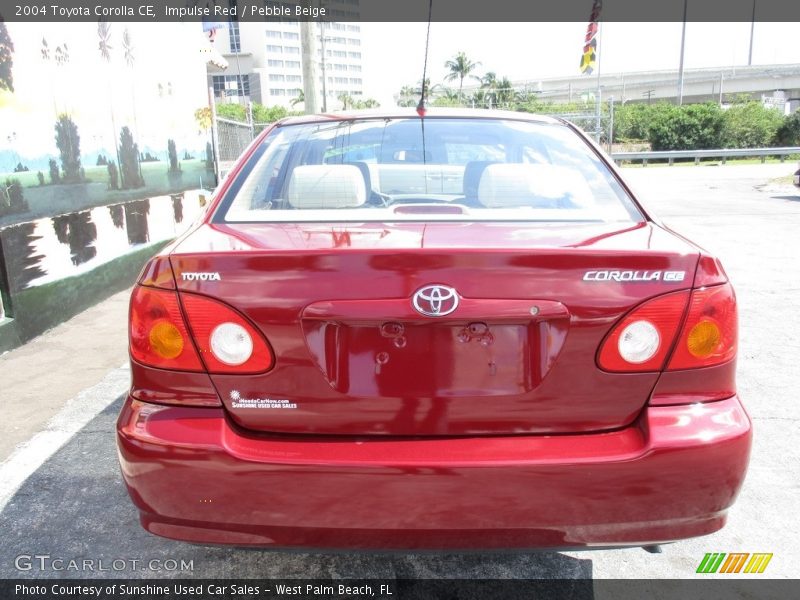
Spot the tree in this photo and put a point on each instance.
(632, 121)
(105, 47)
(13, 199)
(460, 68)
(129, 160)
(788, 133)
(209, 156)
(406, 96)
(489, 80)
(113, 175)
(301, 97)
(688, 127)
(505, 91)
(6, 59)
(55, 175)
(174, 165)
(234, 112)
(749, 124)
(68, 143)
(346, 100)
(268, 114)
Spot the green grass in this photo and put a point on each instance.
(99, 174)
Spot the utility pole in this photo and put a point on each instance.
(324, 75)
(322, 26)
(309, 56)
(598, 125)
(649, 94)
(611, 125)
(752, 31)
(683, 47)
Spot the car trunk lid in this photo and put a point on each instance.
(355, 356)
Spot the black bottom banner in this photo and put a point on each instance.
(391, 589)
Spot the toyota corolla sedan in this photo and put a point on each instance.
(446, 330)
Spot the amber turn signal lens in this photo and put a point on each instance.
(166, 340)
(703, 339)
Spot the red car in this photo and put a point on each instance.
(458, 330)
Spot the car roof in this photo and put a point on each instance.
(433, 112)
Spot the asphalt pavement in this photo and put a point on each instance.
(61, 494)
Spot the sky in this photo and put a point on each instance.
(394, 52)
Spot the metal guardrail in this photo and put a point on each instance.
(724, 154)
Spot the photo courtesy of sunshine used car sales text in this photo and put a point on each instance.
(184, 590)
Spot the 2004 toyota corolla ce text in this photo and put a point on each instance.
(458, 330)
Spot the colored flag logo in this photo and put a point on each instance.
(589, 57)
(735, 562)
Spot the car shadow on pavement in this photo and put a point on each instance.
(75, 507)
(795, 198)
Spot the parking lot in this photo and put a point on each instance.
(69, 501)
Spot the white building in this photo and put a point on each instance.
(265, 59)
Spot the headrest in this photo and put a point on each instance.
(326, 186)
(473, 171)
(510, 185)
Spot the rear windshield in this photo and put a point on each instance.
(432, 169)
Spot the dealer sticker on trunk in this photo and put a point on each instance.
(635, 276)
(238, 402)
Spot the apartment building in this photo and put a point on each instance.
(265, 59)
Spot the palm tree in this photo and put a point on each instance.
(104, 33)
(346, 100)
(130, 60)
(301, 97)
(460, 68)
(505, 91)
(489, 80)
(46, 58)
(487, 94)
(406, 96)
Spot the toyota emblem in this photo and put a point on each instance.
(435, 300)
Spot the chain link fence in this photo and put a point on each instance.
(233, 137)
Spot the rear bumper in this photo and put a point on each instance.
(671, 475)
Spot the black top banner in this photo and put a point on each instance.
(399, 10)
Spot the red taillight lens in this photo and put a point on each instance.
(642, 340)
(158, 335)
(709, 336)
(157, 273)
(227, 342)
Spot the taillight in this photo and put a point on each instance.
(227, 342)
(158, 334)
(709, 335)
(642, 340)
(157, 273)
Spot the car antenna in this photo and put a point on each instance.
(421, 104)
